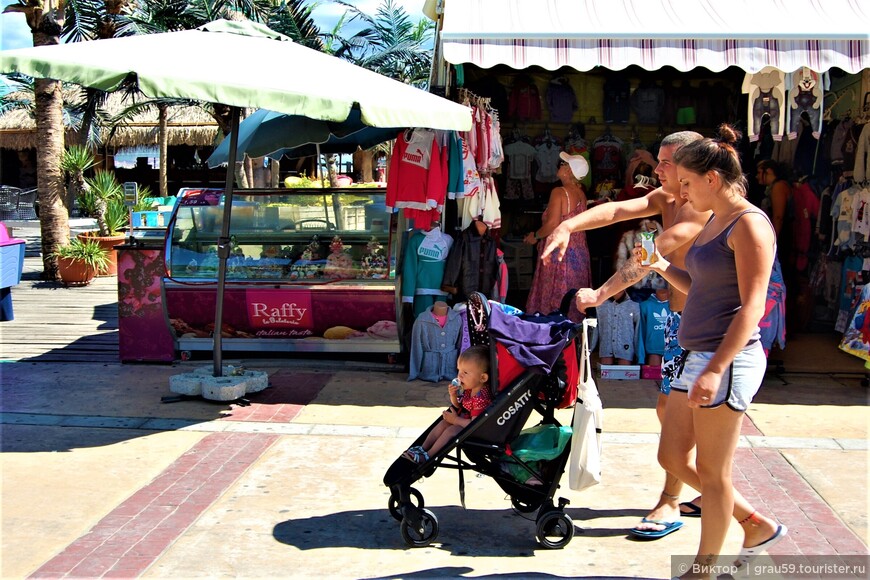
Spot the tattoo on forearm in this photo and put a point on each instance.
(630, 272)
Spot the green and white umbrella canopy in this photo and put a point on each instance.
(234, 63)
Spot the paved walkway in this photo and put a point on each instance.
(101, 479)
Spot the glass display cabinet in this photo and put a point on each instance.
(309, 269)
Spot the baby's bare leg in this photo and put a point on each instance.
(444, 438)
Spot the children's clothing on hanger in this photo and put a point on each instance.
(423, 268)
(434, 349)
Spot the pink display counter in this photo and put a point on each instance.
(310, 271)
(143, 330)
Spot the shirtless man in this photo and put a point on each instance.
(681, 225)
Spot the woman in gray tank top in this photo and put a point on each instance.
(726, 277)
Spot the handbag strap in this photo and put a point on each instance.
(585, 363)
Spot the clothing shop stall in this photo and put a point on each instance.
(607, 80)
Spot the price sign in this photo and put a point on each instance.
(131, 193)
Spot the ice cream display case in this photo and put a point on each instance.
(308, 270)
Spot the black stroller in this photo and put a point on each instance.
(486, 442)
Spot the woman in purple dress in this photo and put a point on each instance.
(553, 279)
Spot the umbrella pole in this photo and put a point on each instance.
(224, 245)
(317, 170)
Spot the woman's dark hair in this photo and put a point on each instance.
(780, 170)
(477, 353)
(717, 155)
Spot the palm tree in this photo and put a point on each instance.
(390, 44)
(291, 18)
(45, 20)
(140, 104)
(91, 19)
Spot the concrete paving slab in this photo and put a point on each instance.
(852, 444)
(58, 482)
(794, 443)
(811, 406)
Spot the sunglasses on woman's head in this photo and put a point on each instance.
(561, 163)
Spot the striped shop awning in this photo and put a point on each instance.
(684, 34)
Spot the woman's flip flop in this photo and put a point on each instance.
(669, 528)
(690, 510)
(749, 554)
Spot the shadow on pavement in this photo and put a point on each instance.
(51, 438)
(458, 530)
(460, 571)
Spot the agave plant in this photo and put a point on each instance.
(117, 216)
(75, 161)
(105, 189)
(88, 252)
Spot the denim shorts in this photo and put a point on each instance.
(740, 382)
(672, 360)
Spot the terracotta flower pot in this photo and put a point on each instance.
(75, 272)
(108, 243)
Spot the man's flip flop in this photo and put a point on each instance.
(749, 554)
(692, 510)
(669, 528)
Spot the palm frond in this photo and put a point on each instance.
(81, 20)
(389, 43)
(293, 19)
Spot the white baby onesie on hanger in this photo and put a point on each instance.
(766, 90)
(806, 94)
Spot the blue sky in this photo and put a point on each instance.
(15, 34)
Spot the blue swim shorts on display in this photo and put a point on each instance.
(673, 357)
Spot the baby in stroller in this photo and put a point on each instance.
(476, 396)
(516, 365)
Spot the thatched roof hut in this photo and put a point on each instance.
(187, 125)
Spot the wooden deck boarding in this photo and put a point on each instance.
(59, 324)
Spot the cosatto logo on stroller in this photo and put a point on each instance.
(512, 410)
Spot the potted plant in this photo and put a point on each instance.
(79, 262)
(107, 198)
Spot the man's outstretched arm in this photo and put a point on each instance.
(599, 216)
(627, 275)
(680, 234)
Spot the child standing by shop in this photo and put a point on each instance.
(470, 395)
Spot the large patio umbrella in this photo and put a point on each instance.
(267, 133)
(234, 63)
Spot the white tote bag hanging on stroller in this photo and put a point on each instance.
(584, 465)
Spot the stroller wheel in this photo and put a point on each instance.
(555, 530)
(425, 534)
(394, 503)
(524, 507)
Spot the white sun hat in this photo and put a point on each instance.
(578, 164)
